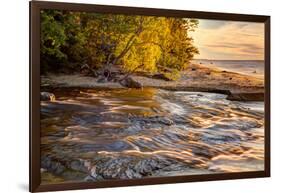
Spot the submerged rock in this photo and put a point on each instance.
(153, 120)
(47, 96)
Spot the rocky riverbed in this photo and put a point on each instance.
(98, 134)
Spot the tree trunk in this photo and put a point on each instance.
(130, 43)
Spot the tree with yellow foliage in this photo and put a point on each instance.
(146, 44)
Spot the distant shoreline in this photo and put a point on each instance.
(196, 78)
(223, 59)
(246, 67)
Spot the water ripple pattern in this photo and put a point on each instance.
(92, 135)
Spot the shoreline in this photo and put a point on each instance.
(231, 66)
(197, 78)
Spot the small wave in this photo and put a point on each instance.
(125, 134)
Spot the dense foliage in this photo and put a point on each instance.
(136, 43)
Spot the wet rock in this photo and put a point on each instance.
(110, 166)
(147, 166)
(45, 162)
(165, 121)
(78, 166)
(130, 83)
(153, 120)
(246, 96)
(129, 167)
(118, 146)
(47, 96)
(73, 175)
(52, 165)
(161, 77)
(180, 120)
(89, 178)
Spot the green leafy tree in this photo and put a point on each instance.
(136, 43)
(53, 37)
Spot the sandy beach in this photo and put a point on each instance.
(196, 77)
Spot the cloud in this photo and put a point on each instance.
(212, 25)
(229, 40)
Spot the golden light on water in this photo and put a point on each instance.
(229, 40)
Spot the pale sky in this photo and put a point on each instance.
(229, 40)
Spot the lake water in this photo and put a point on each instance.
(248, 67)
(93, 135)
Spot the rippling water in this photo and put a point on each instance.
(90, 135)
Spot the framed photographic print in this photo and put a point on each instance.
(123, 96)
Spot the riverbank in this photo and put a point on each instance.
(196, 78)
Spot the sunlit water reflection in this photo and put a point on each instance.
(119, 134)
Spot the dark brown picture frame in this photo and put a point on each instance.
(34, 100)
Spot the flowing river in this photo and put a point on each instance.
(92, 135)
